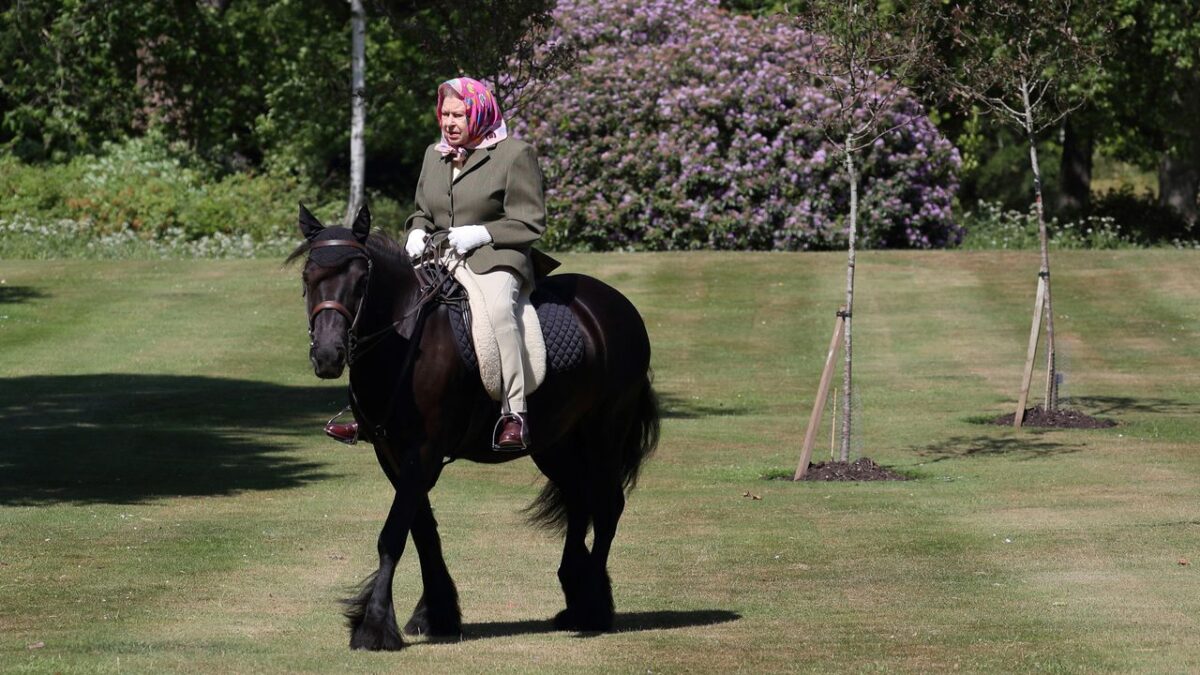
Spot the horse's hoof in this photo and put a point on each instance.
(376, 640)
(416, 627)
(427, 623)
(422, 627)
(581, 622)
(565, 620)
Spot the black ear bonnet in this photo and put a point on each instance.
(332, 256)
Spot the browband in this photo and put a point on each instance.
(339, 242)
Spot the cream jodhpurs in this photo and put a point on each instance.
(501, 293)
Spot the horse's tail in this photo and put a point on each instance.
(643, 434)
(549, 510)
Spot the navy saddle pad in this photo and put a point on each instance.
(560, 330)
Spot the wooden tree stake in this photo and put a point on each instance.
(1034, 332)
(814, 420)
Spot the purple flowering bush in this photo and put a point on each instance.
(684, 127)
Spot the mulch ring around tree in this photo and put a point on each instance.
(1061, 418)
(859, 469)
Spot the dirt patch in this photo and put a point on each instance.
(859, 469)
(1062, 418)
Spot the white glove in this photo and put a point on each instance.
(468, 238)
(415, 245)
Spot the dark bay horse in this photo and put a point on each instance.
(418, 404)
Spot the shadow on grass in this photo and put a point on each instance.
(1099, 406)
(1028, 445)
(1110, 405)
(109, 438)
(677, 408)
(626, 622)
(17, 295)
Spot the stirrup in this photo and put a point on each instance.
(339, 439)
(524, 433)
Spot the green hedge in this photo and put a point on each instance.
(146, 197)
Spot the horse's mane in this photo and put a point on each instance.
(381, 243)
(378, 243)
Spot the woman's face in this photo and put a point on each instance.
(454, 120)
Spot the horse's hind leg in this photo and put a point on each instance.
(607, 504)
(437, 613)
(563, 503)
(584, 495)
(371, 614)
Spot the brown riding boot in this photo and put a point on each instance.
(344, 433)
(513, 434)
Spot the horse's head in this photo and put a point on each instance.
(336, 275)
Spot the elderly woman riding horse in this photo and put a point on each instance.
(485, 190)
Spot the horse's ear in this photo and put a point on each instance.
(309, 225)
(362, 223)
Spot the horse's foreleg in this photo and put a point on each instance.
(371, 614)
(437, 613)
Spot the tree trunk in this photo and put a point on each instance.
(358, 108)
(847, 410)
(1043, 238)
(1075, 176)
(1178, 182)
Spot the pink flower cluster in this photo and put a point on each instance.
(684, 128)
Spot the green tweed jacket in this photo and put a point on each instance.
(500, 188)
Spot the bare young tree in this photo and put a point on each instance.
(867, 53)
(1027, 65)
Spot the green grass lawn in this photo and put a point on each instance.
(167, 502)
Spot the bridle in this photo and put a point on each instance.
(355, 345)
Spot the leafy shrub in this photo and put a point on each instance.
(1146, 221)
(683, 128)
(24, 237)
(991, 226)
(146, 190)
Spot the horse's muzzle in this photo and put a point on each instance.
(328, 361)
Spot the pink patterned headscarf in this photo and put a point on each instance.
(485, 124)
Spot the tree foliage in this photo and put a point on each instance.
(244, 83)
(1152, 81)
(78, 73)
(1029, 64)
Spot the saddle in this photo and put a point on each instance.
(552, 336)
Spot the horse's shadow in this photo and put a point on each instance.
(678, 407)
(116, 438)
(625, 622)
(19, 295)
